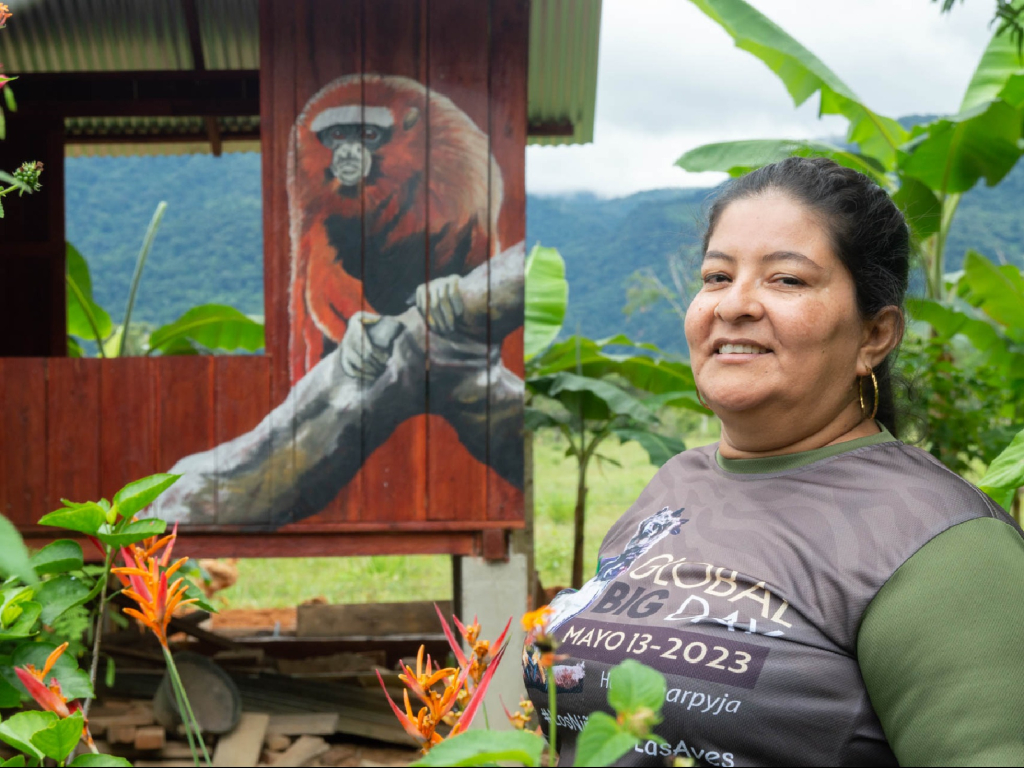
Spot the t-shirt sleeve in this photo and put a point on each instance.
(941, 649)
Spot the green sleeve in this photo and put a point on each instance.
(941, 649)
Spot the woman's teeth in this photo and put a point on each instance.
(741, 349)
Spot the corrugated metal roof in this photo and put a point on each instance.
(127, 35)
(564, 37)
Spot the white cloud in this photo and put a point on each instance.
(670, 79)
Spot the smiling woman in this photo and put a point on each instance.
(816, 582)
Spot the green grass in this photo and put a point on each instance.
(285, 582)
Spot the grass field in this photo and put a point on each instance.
(285, 582)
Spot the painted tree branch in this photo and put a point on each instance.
(308, 448)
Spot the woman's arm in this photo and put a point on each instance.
(941, 649)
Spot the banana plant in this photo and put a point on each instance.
(590, 392)
(927, 168)
(205, 327)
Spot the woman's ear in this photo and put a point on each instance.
(882, 334)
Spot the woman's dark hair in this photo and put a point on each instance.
(868, 232)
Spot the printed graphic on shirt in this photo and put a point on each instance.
(670, 651)
(649, 532)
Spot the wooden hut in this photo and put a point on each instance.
(385, 415)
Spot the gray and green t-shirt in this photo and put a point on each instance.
(855, 605)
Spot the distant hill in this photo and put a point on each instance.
(209, 248)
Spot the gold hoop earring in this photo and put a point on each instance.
(701, 399)
(860, 393)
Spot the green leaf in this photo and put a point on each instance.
(951, 155)
(58, 557)
(14, 559)
(633, 687)
(1006, 473)
(18, 761)
(84, 518)
(18, 730)
(24, 624)
(61, 594)
(547, 293)
(192, 592)
(738, 157)
(133, 532)
(660, 448)
(603, 741)
(74, 682)
(920, 207)
(598, 398)
(998, 65)
(57, 741)
(948, 322)
(86, 318)
(138, 495)
(10, 696)
(214, 326)
(803, 75)
(997, 290)
(99, 761)
(487, 748)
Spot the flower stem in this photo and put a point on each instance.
(552, 725)
(185, 708)
(98, 632)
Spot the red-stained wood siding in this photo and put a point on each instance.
(81, 429)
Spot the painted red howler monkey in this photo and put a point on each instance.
(364, 201)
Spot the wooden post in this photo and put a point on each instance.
(32, 307)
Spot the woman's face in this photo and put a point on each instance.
(775, 325)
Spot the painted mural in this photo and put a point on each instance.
(396, 267)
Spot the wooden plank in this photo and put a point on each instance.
(306, 724)
(303, 751)
(334, 544)
(242, 400)
(369, 619)
(458, 67)
(73, 430)
(126, 398)
(328, 46)
(510, 25)
(184, 406)
(394, 475)
(23, 426)
(243, 745)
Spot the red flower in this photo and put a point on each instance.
(5, 14)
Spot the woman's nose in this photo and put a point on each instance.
(739, 303)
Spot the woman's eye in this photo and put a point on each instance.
(789, 280)
(715, 277)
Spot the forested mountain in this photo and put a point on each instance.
(209, 248)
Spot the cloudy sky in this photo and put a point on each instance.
(670, 79)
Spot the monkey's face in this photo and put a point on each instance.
(354, 136)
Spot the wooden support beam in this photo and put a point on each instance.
(213, 134)
(221, 93)
(551, 128)
(195, 40)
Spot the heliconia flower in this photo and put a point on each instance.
(49, 697)
(5, 14)
(482, 655)
(537, 621)
(477, 698)
(147, 578)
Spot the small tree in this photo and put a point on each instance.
(591, 392)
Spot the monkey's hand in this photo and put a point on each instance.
(440, 303)
(364, 353)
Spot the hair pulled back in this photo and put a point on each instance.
(867, 230)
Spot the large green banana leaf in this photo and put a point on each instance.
(739, 157)
(999, 64)
(997, 290)
(86, 318)
(547, 293)
(804, 74)
(212, 325)
(1006, 473)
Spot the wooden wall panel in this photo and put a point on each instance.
(73, 430)
(127, 435)
(23, 438)
(184, 407)
(510, 31)
(242, 401)
(458, 51)
(394, 476)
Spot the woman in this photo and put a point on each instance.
(827, 595)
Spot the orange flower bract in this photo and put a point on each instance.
(5, 14)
